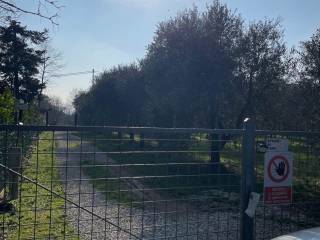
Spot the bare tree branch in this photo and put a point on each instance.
(12, 8)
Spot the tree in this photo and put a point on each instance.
(210, 70)
(309, 83)
(20, 60)
(6, 107)
(116, 97)
(260, 75)
(189, 67)
(49, 66)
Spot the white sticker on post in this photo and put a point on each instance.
(253, 203)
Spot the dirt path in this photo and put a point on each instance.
(79, 189)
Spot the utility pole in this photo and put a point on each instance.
(92, 75)
(15, 78)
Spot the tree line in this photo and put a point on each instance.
(212, 70)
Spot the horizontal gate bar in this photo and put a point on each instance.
(115, 128)
(64, 128)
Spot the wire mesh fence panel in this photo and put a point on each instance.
(121, 183)
(275, 220)
(144, 183)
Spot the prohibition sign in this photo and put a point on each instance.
(278, 169)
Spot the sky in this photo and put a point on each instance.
(100, 34)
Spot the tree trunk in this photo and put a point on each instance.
(141, 140)
(218, 141)
(132, 137)
(120, 141)
(16, 93)
(215, 142)
(120, 135)
(215, 148)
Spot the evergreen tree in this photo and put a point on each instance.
(20, 59)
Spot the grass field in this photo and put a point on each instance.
(198, 177)
(174, 168)
(39, 215)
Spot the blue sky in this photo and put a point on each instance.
(100, 34)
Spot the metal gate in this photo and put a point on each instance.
(304, 212)
(64, 182)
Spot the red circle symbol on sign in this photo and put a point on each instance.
(278, 169)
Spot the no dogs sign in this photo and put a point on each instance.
(278, 167)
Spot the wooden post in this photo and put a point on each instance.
(75, 119)
(47, 118)
(2, 184)
(14, 163)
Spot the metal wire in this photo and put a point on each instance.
(65, 199)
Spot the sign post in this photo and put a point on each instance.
(278, 171)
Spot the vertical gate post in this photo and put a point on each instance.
(14, 162)
(247, 179)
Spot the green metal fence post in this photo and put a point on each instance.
(247, 179)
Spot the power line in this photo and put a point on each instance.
(74, 74)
